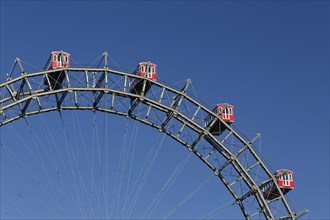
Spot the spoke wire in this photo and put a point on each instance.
(132, 146)
(106, 161)
(15, 176)
(120, 168)
(92, 181)
(85, 151)
(97, 140)
(102, 152)
(101, 190)
(14, 205)
(98, 58)
(32, 66)
(55, 167)
(115, 62)
(93, 185)
(29, 205)
(42, 164)
(72, 169)
(145, 173)
(218, 210)
(29, 172)
(166, 186)
(121, 173)
(103, 187)
(48, 133)
(189, 196)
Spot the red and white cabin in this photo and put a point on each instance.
(58, 60)
(144, 69)
(285, 181)
(147, 69)
(226, 113)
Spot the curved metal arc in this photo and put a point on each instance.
(271, 176)
(154, 104)
(145, 100)
(183, 94)
(26, 75)
(196, 127)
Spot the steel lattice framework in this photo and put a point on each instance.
(172, 111)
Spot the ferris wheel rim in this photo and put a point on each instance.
(201, 131)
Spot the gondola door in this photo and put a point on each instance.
(149, 71)
(225, 114)
(284, 180)
(59, 60)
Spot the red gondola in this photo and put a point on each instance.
(144, 69)
(226, 113)
(285, 182)
(57, 60)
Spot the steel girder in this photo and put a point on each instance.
(91, 88)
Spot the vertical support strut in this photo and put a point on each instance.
(86, 77)
(23, 82)
(184, 124)
(18, 61)
(48, 82)
(19, 91)
(105, 79)
(143, 87)
(98, 85)
(159, 101)
(13, 96)
(67, 78)
(105, 57)
(176, 103)
(178, 99)
(112, 100)
(75, 98)
(161, 95)
(125, 83)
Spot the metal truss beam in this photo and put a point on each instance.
(172, 111)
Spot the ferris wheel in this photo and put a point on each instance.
(205, 133)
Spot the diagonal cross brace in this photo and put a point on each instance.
(176, 103)
(203, 134)
(98, 84)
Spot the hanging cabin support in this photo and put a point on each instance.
(141, 86)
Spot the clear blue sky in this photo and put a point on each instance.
(270, 59)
